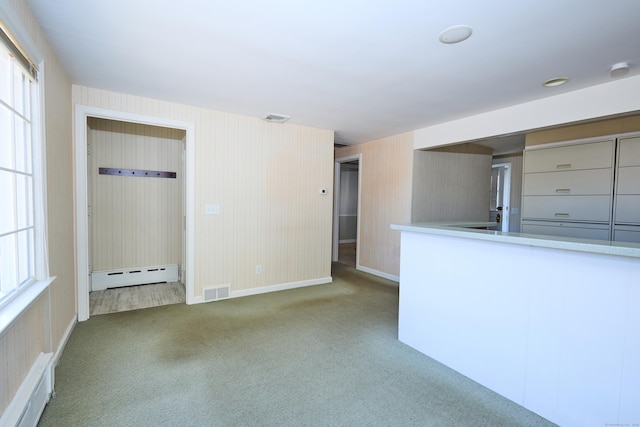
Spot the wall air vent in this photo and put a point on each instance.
(216, 293)
(275, 118)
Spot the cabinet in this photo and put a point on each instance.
(626, 224)
(568, 189)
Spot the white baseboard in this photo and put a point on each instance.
(267, 289)
(378, 273)
(60, 349)
(32, 396)
(281, 287)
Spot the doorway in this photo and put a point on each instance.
(136, 186)
(346, 210)
(500, 195)
(82, 115)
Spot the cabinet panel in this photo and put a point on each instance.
(572, 157)
(567, 208)
(565, 230)
(627, 209)
(629, 152)
(629, 180)
(622, 235)
(582, 182)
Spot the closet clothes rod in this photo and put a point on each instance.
(136, 173)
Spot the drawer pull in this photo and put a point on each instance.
(563, 190)
(563, 166)
(558, 214)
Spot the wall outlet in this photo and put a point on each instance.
(258, 269)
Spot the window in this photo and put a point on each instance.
(20, 169)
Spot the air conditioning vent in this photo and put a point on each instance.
(216, 293)
(275, 118)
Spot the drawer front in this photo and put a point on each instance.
(593, 155)
(627, 209)
(629, 152)
(567, 208)
(566, 231)
(626, 236)
(629, 180)
(583, 182)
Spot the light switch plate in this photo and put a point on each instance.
(212, 209)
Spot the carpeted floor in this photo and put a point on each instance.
(325, 355)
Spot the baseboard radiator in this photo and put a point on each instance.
(32, 396)
(101, 280)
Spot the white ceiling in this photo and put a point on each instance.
(364, 68)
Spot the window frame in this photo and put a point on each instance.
(15, 303)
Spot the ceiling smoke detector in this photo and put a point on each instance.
(455, 34)
(558, 81)
(275, 118)
(620, 69)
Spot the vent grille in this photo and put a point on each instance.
(216, 293)
(275, 118)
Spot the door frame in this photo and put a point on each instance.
(336, 205)
(82, 112)
(506, 196)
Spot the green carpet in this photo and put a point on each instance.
(324, 355)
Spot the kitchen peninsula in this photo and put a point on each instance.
(551, 323)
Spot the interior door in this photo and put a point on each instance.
(500, 195)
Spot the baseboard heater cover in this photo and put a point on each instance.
(32, 396)
(101, 280)
(216, 293)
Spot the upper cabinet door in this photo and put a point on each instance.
(593, 155)
(629, 152)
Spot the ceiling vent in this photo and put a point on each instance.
(275, 118)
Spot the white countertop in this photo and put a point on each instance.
(469, 230)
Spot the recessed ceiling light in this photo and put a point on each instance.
(455, 34)
(275, 118)
(558, 81)
(620, 69)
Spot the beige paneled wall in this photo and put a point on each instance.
(584, 130)
(265, 177)
(385, 198)
(135, 222)
(451, 184)
(29, 335)
(516, 187)
(19, 348)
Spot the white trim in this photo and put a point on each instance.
(281, 287)
(63, 341)
(378, 273)
(82, 223)
(61, 346)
